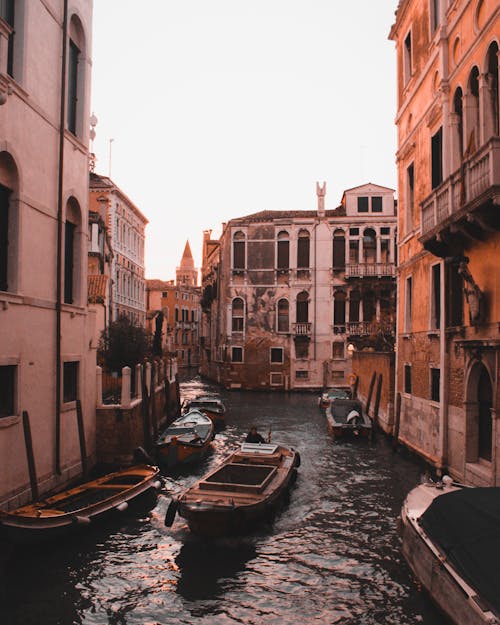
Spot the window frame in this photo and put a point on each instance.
(277, 350)
(9, 373)
(234, 348)
(70, 387)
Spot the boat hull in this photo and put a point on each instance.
(228, 509)
(60, 514)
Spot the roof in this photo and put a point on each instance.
(97, 288)
(187, 261)
(104, 183)
(270, 215)
(159, 285)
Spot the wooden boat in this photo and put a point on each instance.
(81, 506)
(186, 439)
(451, 540)
(346, 417)
(242, 491)
(213, 407)
(339, 392)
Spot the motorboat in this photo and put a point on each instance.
(339, 392)
(451, 540)
(212, 406)
(81, 506)
(346, 417)
(248, 487)
(186, 440)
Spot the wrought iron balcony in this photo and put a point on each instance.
(302, 329)
(462, 197)
(367, 328)
(370, 270)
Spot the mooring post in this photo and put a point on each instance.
(81, 437)
(29, 455)
(397, 418)
(377, 399)
(370, 392)
(145, 407)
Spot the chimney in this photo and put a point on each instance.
(320, 192)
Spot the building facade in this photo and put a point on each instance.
(287, 295)
(47, 355)
(126, 227)
(448, 343)
(180, 306)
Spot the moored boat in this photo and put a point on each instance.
(346, 417)
(186, 440)
(332, 394)
(451, 540)
(246, 488)
(81, 505)
(212, 406)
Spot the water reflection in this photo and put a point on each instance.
(331, 556)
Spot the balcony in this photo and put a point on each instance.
(463, 206)
(370, 270)
(302, 329)
(369, 328)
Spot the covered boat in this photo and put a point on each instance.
(245, 489)
(82, 505)
(332, 394)
(212, 406)
(451, 540)
(186, 439)
(346, 417)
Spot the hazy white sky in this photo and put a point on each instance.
(222, 108)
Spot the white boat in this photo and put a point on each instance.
(451, 540)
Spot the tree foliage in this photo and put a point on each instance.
(123, 344)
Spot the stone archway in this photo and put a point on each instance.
(479, 406)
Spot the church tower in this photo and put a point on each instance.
(186, 274)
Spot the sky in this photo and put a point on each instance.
(214, 109)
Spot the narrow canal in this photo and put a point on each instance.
(331, 557)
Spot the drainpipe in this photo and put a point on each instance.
(62, 120)
(443, 375)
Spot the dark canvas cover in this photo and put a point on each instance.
(465, 526)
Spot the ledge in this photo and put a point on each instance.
(7, 422)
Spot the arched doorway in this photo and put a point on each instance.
(485, 404)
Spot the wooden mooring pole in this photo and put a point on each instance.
(81, 437)
(370, 392)
(30, 455)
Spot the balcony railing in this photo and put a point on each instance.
(364, 328)
(465, 186)
(368, 270)
(302, 329)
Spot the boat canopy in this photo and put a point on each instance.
(465, 526)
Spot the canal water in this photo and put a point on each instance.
(332, 556)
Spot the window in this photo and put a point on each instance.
(385, 231)
(301, 347)
(369, 306)
(283, 251)
(407, 379)
(283, 316)
(436, 297)
(376, 204)
(276, 378)
(458, 127)
(353, 232)
(362, 204)
(339, 300)
(339, 250)
(302, 311)
(73, 59)
(354, 300)
(176, 314)
(70, 381)
(4, 237)
(303, 250)
(493, 122)
(410, 195)
(239, 251)
(302, 375)
(354, 251)
(408, 304)
(407, 60)
(437, 158)
(8, 390)
(455, 296)
(7, 12)
(277, 355)
(369, 246)
(69, 255)
(434, 11)
(236, 354)
(338, 350)
(435, 376)
(238, 314)
(385, 251)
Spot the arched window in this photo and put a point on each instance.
(72, 252)
(303, 247)
(283, 316)
(339, 250)
(472, 112)
(283, 251)
(9, 182)
(76, 77)
(369, 246)
(459, 126)
(238, 314)
(339, 300)
(239, 252)
(492, 120)
(354, 299)
(302, 307)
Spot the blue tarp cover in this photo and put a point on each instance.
(465, 526)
